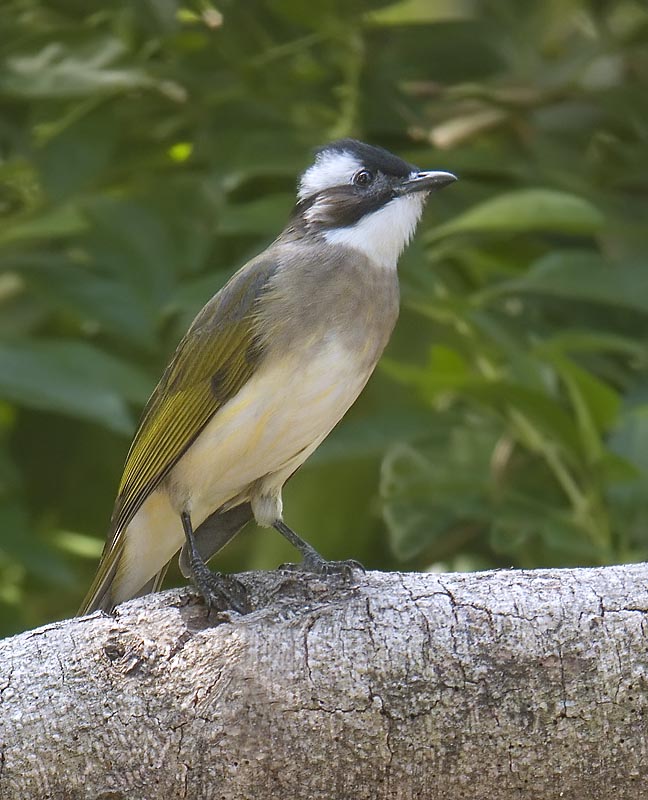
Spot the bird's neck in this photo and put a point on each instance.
(383, 234)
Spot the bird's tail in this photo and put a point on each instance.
(135, 559)
(100, 596)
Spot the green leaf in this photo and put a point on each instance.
(517, 529)
(264, 217)
(571, 544)
(78, 544)
(525, 211)
(59, 70)
(446, 369)
(591, 341)
(546, 413)
(508, 535)
(414, 529)
(19, 544)
(629, 440)
(586, 277)
(59, 222)
(111, 304)
(428, 493)
(372, 434)
(133, 242)
(596, 404)
(401, 53)
(417, 12)
(71, 378)
(73, 158)
(522, 364)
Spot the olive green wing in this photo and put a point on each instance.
(211, 364)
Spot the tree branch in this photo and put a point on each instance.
(501, 685)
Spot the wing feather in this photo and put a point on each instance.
(211, 364)
(221, 342)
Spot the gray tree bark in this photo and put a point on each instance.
(496, 685)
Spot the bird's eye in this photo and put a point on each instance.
(363, 177)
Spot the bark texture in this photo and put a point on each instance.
(494, 685)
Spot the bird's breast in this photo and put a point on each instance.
(332, 295)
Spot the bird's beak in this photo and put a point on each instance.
(426, 182)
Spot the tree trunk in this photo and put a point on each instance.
(496, 685)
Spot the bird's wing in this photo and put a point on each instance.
(211, 364)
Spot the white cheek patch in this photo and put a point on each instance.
(384, 234)
(329, 169)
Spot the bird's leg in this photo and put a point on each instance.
(220, 591)
(312, 561)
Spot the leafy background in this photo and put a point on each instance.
(149, 147)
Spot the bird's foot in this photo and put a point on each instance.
(317, 565)
(221, 592)
(312, 561)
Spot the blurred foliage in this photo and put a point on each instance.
(148, 148)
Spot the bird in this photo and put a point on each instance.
(266, 370)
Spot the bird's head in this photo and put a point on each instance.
(364, 197)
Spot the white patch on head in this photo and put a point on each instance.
(331, 168)
(383, 234)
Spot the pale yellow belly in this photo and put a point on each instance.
(267, 430)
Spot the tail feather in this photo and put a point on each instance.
(99, 596)
(155, 584)
(136, 560)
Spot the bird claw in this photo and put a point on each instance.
(222, 592)
(324, 568)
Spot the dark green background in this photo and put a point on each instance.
(147, 149)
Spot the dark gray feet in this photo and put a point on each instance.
(325, 568)
(312, 561)
(221, 592)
